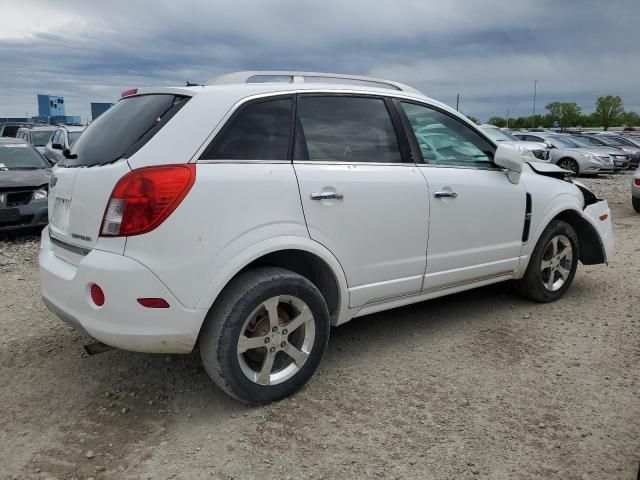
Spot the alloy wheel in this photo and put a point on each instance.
(276, 340)
(556, 264)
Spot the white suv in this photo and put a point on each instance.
(249, 217)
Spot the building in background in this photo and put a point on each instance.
(50, 106)
(98, 109)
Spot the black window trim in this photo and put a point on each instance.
(413, 141)
(231, 118)
(403, 144)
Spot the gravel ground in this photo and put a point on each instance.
(482, 384)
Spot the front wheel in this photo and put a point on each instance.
(553, 264)
(265, 335)
(635, 201)
(569, 164)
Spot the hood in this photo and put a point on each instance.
(608, 150)
(593, 151)
(532, 145)
(24, 178)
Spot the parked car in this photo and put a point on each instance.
(38, 136)
(539, 151)
(635, 190)
(623, 143)
(24, 183)
(10, 129)
(63, 138)
(620, 158)
(569, 155)
(195, 215)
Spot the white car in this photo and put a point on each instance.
(249, 217)
(536, 150)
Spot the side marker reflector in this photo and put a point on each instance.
(153, 302)
(603, 217)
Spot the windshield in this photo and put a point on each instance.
(39, 138)
(582, 141)
(499, 135)
(592, 141)
(563, 142)
(73, 136)
(124, 129)
(20, 156)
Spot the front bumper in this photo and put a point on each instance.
(24, 217)
(121, 322)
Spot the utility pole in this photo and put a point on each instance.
(535, 91)
(457, 102)
(507, 117)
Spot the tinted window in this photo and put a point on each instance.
(444, 140)
(124, 129)
(260, 131)
(73, 136)
(10, 131)
(347, 129)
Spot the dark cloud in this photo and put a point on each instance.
(488, 51)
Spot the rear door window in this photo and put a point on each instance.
(346, 129)
(258, 131)
(124, 129)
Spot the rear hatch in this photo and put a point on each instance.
(82, 184)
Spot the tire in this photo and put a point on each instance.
(243, 308)
(569, 164)
(549, 284)
(635, 201)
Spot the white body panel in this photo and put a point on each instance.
(378, 232)
(478, 233)
(389, 242)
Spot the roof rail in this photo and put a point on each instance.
(257, 76)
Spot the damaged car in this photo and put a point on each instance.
(24, 186)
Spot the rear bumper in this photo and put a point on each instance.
(31, 215)
(121, 322)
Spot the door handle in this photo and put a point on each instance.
(327, 196)
(445, 194)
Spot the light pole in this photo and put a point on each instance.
(535, 91)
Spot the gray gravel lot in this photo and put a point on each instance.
(482, 384)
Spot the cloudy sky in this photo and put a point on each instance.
(488, 51)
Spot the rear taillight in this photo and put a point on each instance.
(144, 198)
(637, 181)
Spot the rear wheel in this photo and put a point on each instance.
(553, 264)
(265, 335)
(635, 201)
(569, 164)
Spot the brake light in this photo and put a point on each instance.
(144, 198)
(128, 93)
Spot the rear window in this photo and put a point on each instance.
(124, 129)
(10, 131)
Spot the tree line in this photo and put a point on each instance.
(609, 113)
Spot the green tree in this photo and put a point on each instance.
(472, 118)
(498, 122)
(555, 110)
(608, 110)
(630, 119)
(569, 115)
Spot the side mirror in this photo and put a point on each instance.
(510, 157)
(56, 146)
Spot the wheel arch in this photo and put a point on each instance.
(303, 256)
(590, 245)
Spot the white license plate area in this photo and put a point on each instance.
(59, 218)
